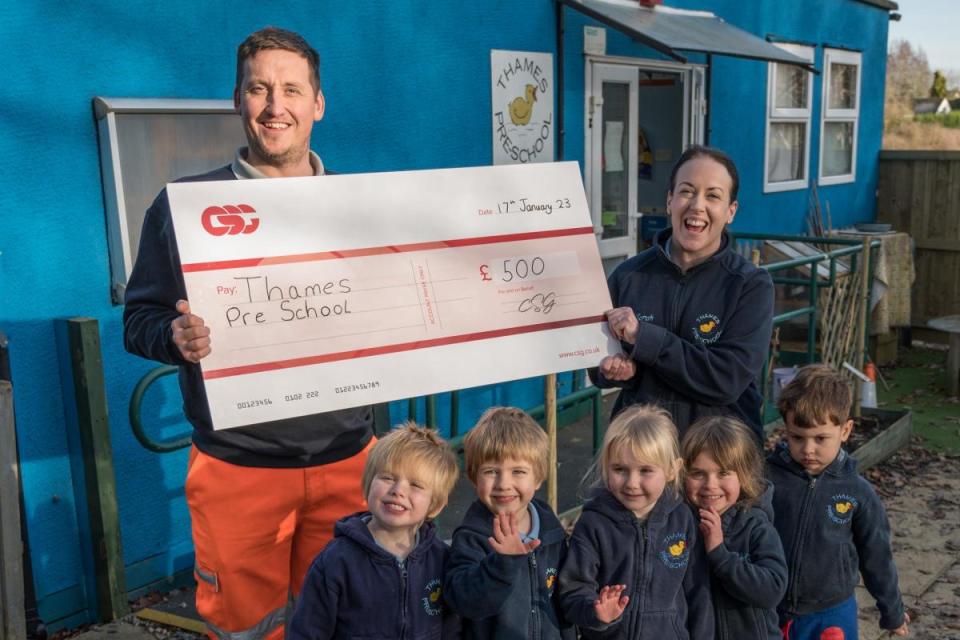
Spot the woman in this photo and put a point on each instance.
(692, 315)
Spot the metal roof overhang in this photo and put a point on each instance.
(670, 30)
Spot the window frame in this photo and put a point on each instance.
(828, 115)
(776, 115)
(126, 191)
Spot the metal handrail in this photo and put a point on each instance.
(594, 394)
(850, 247)
(136, 423)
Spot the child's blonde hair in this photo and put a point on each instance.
(650, 434)
(733, 446)
(416, 452)
(505, 432)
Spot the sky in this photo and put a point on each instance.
(931, 25)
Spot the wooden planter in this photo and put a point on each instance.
(884, 444)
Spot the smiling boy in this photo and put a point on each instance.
(832, 524)
(501, 578)
(381, 575)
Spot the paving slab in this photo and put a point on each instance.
(116, 630)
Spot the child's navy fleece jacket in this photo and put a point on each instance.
(660, 559)
(503, 596)
(833, 526)
(356, 589)
(748, 572)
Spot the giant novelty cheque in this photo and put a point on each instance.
(326, 293)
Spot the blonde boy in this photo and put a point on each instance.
(352, 589)
(501, 578)
(832, 524)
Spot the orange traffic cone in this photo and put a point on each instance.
(868, 390)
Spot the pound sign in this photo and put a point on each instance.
(484, 274)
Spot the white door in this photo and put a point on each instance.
(612, 159)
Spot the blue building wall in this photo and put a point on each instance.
(407, 87)
(738, 103)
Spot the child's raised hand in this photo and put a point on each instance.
(610, 604)
(506, 538)
(902, 630)
(711, 528)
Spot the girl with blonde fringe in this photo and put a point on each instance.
(636, 566)
(724, 482)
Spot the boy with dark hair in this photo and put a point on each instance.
(502, 574)
(832, 524)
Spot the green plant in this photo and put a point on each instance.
(951, 120)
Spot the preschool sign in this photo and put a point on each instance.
(523, 118)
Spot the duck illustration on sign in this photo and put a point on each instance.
(522, 105)
(522, 108)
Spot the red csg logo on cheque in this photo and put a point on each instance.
(229, 220)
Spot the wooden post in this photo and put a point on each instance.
(13, 622)
(550, 415)
(91, 459)
(861, 323)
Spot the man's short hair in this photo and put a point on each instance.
(506, 432)
(817, 395)
(276, 38)
(416, 452)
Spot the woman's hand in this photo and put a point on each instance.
(623, 324)
(618, 368)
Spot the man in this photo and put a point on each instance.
(263, 498)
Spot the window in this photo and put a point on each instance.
(841, 112)
(789, 95)
(146, 143)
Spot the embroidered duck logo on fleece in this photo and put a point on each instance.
(675, 552)
(551, 580)
(706, 329)
(841, 508)
(433, 600)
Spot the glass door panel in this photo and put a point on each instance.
(613, 158)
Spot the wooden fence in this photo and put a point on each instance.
(12, 615)
(919, 193)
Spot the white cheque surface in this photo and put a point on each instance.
(326, 293)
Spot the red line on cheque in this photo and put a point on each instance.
(397, 348)
(373, 251)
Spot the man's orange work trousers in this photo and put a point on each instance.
(255, 532)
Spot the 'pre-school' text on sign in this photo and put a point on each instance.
(325, 293)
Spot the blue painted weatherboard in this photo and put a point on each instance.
(407, 87)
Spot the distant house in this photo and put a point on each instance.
(936, 106)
